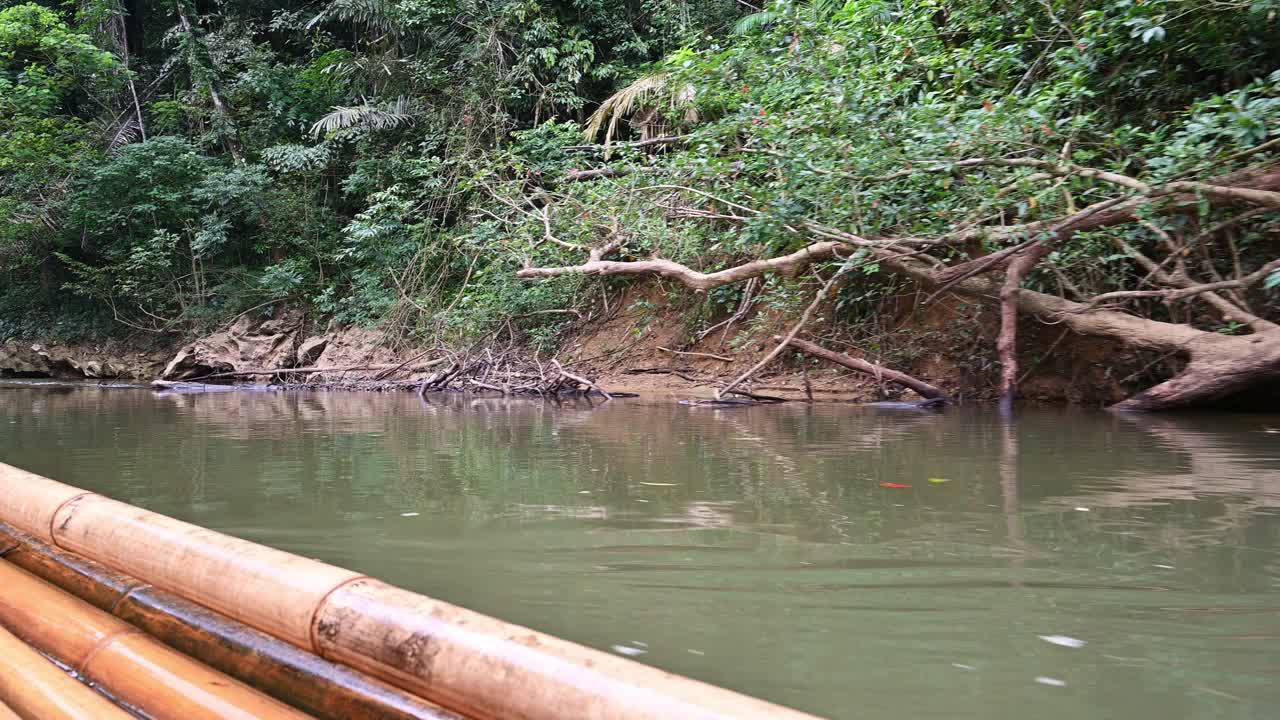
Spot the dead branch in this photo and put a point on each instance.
(565, 311)
(637, 145)
(398, 368)
(580, 176)
(1256, 196)
(580, 380)
(921, 388)
(1183, 293)
(312, 370)
(795, 330)
(1225, 309)
(787, 265)
(721, 358)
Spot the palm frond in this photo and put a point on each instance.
(377, 15)
(624, 103)
(369, 116)
(128, 132)
(755, 21)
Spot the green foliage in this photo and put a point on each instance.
(397, 161)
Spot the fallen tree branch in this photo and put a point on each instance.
(795, 330)
(1225, 309)
(580, 380)
(1256, 196)
(787, 265)
(397, 368)
(1183, 293)
(535, 313)
(310, 370)
(920, 387)
(721, 358)
(605, 172)
(636, 145)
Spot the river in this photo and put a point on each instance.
(850, 562)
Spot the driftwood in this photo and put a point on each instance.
(311, 370)
(581, 380)
(512, 374)
(922, 388)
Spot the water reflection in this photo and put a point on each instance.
(755, 547)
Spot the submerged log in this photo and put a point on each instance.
(473, 664)
(314, 685)
(160, 682)
(33, 687)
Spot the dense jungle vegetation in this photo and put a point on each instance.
(458, 168)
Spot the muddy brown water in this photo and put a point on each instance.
(1067, 564)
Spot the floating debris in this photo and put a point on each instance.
(1051, 682)
(1063, 640)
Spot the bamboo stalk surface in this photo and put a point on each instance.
(292, 675)
(470, 663)
(35, 689)
(159, 681)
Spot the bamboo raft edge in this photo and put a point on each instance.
(289, 674)
(466, 662)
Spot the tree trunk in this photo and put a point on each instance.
(135, 22)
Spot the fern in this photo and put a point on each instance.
(368, 116)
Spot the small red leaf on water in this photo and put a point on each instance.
(897, 486)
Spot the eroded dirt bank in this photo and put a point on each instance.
(644, 347)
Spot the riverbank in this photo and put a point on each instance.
(643, 346)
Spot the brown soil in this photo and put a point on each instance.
(645, 346)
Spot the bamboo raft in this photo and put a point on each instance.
(111, 611)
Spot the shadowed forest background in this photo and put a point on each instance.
(1036, 177)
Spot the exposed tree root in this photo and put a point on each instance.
(1220, 365)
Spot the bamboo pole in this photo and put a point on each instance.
(35, 689)
(300, 678)
(160, 682)
(95, 583)
(467, 662)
